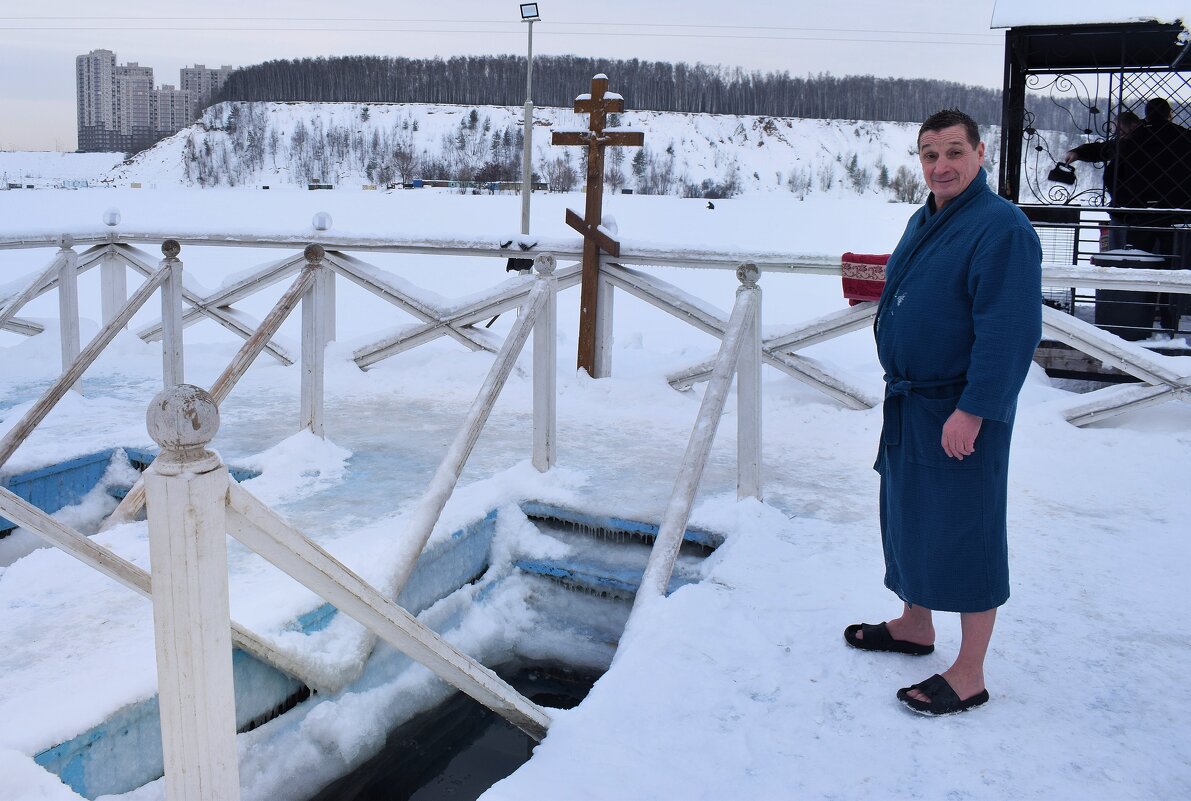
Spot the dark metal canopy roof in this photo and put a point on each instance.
(1074, 48)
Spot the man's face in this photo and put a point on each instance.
(949, 162)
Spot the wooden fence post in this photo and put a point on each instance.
(545, 369)
(171, 315)
(113, 275)
(314, 342)
(68, 303)
(748, 393)
(186, 489)
(605, 296)
(322, 222)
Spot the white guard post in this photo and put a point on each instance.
(186, 490)
(748, 392)
(171, 314)
(545, 369)
(315, 304)
(113, 276)
(605, 298)
(68, 302)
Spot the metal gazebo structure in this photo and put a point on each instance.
(1069, 78)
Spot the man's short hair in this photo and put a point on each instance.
(1157, 109)
(949, 117)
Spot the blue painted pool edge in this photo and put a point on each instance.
(124, 752)
(55, 486)
(545, 511)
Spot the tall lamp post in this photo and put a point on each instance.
(529, 14)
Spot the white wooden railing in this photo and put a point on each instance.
(741, 353)
(740, 357)
(193, 505)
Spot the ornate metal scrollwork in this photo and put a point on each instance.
(1075, 109)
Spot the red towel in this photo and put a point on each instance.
(864, 276)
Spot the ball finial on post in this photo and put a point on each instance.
(111, 217)
(314, 254)
(170, 248)
(183, 420)
(545, 263)
(748, 274)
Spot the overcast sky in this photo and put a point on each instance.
(896, 38)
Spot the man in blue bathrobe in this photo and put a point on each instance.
(956, 328)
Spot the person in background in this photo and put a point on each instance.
(1105, 152)
(1154, 172)
(956, 328)
(1153, 167)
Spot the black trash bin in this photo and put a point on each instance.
(1128, 314)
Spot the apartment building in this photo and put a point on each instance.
(95, 75)
(120, 110)
(171, 110)
(203, 82)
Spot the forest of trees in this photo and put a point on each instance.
(645, 85)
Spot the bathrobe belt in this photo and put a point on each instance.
(898, 389)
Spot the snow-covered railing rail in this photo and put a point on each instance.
(188, 521)
(167, 277)
(309, 289)
(1162, 377)
(538, 314)
(117, 251)
(740, 357)
(192, 505)
(114, 566)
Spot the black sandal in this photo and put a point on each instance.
(943, 700)
(878, 638)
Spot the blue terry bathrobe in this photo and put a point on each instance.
(957, 324)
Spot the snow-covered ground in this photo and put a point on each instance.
(739, 687)
(48, 169)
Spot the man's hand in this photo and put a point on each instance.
(959, 434)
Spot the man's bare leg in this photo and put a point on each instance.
(966, 674)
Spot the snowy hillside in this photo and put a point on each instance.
(350, 145)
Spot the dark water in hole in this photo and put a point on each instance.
(458, 749)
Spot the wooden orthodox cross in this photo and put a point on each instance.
(598, 104)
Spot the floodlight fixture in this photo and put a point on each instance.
(529, 12)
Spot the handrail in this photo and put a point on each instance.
(45, 278)
(199, 307)
(672, 301)
(261, 529)
(741, 337)
(435, 497)
(134, 501)
(116, 567)
(13, 439)
(779, 346)
(246, 355)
